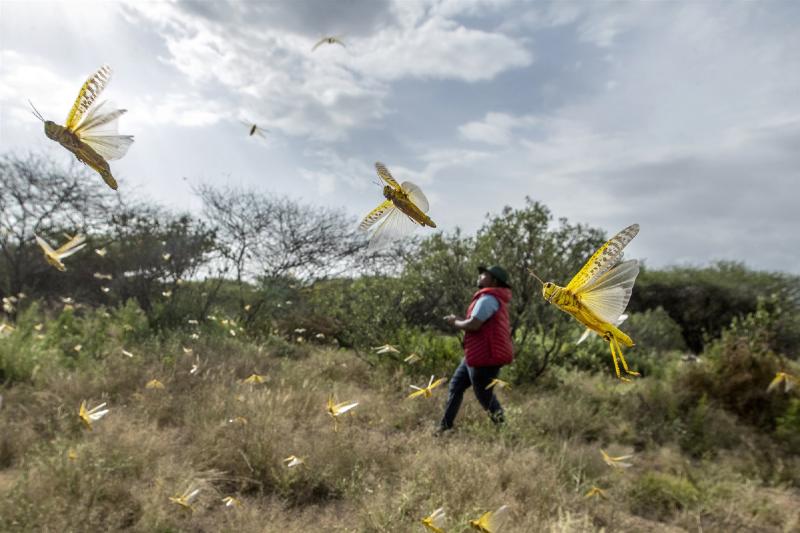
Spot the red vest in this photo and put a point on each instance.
(491, 344)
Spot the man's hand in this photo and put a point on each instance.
(468, 324)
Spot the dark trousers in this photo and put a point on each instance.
(477, 377)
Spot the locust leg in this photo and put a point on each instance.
(610, 339)
(622, 358)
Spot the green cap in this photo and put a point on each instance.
(499, 273)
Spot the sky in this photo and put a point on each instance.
(683, 117)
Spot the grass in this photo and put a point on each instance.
(383, 470)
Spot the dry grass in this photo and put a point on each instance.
(382, 471)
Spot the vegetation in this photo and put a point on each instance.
(712, 449)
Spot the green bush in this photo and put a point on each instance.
(654, 331)
(440, 353)
(658, 496)
(704, 430)
(363, 312)
(703, 301)
(280, 347)
(655, 413)
(788, 426)
(23, 353)
(736, 370)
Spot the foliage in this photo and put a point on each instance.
(654, 331)
(363, 312)
(703, 301)
(788, 426)
(24, 352)
(659, 495)
(381, 471)
(261, 235)
(37, 196)
(441, 275)
(738, 367)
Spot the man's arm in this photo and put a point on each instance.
(484, 308)
(467, 324)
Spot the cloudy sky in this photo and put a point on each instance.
(681, 116)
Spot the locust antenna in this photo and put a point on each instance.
(532, 273)
(36, 112)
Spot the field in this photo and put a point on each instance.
(216, 341)
(695, 469)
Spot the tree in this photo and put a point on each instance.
(266, 241)
(36, 196)
(152, 254)
(440, 278)
(704, 301)
(521, 240)
(147, 249)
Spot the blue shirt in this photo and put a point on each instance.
(485, 307)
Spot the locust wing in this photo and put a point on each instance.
(603, 259)
(91, 89)
(415, 195)
(385, 175)
(100, 130)
(75, 244)
(375, 215)
(395, 226)
(608, 296)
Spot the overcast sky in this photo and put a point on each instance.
(681, 116)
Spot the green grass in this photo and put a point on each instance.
(383, 470)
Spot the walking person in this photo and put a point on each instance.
(487, 345)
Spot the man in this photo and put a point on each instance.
(487, 345)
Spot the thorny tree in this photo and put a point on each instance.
(37, 196)
(270, 239)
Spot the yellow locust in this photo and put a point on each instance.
(616, 462)
(427, 391)
(55, 257)
(787, 380)
(89, 416)
(598, 294)
(328, 40)
(90, 132)
(435, 521)
(490, 521)
(185, 500)
(403, 210)
(335, 410)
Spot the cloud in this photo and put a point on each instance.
(495, 128)
(684, 119)
(26, 77)
(269, 70)
(179, 109)
(440, 48)
(331, 169)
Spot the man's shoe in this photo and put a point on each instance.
(499, 418)
(441, 430)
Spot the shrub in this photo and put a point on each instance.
(654, 330)
(440, 353)
(703, 301)
(705, 429)
(23, 352)
(788, 426)
(658, 495)
(280, 347)
(737, 369)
